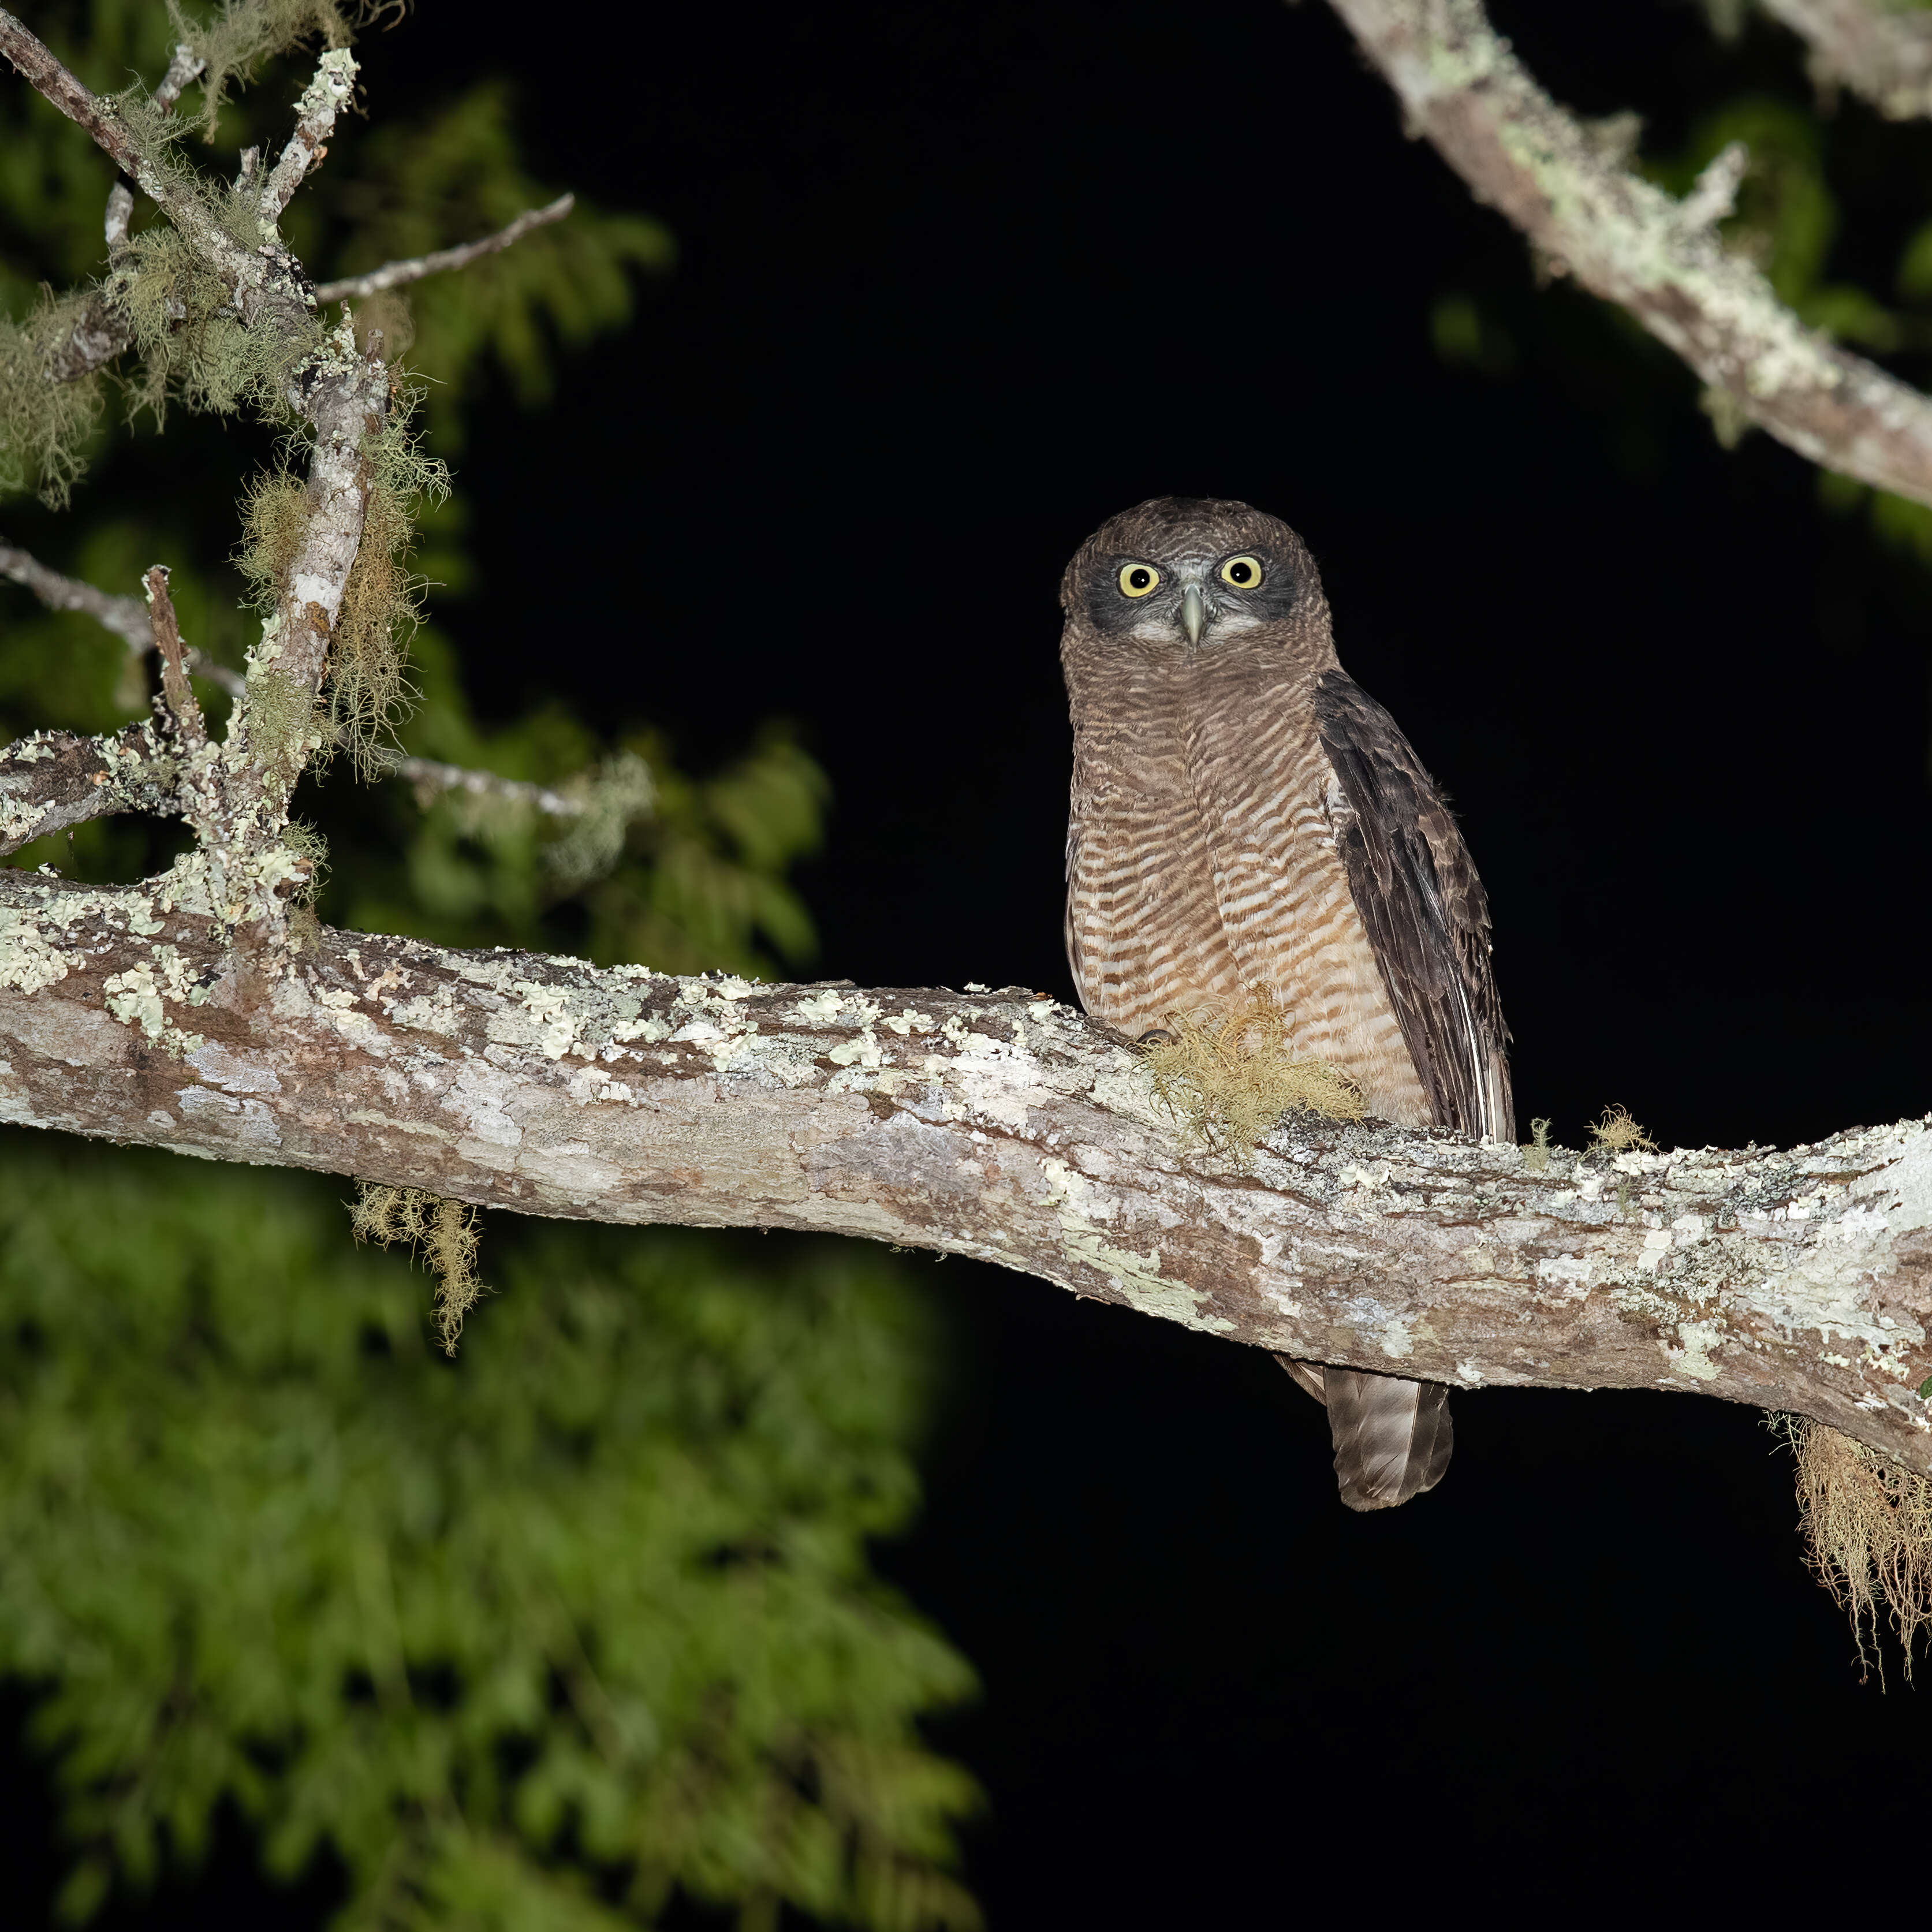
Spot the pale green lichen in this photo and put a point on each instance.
(244, 33)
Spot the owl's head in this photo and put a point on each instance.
(1193, 573)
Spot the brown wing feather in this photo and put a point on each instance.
(1428, 918)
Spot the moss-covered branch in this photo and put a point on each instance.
(1589, 216)
(1003, 1126)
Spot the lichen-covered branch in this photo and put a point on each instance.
(396, 275)
(107, 125)
(57, 779)
(326, 95)
(1003, 1126)
(1882, 53)
(236, 793)
(1626, 240)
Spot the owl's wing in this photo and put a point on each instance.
(1416, 889)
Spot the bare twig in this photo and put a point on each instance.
(187, 65)
(315, 120)
(1714, 194)
(431, 776)
(396, 275)
(176, 691)
(127, 617)
(1882, 52)
(48, 78)
(1625, 238)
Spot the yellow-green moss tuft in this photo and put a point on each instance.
(192, 345)
(369, 689)
(274, 514)
(1229, 1078)
(1617, 1132)
(307, 843)
(1536, 1155)
(1867, 1525)
(445, 1235)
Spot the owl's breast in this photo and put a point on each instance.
(1202, 864)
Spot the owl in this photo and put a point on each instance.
(1247, 819)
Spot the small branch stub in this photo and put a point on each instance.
(176, 691)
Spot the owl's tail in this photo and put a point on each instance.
(1392, 1438)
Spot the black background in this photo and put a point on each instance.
(957, 282)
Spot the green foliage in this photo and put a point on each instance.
(455, 177)
(582, 1621)
(536, 1639)
(681, 873)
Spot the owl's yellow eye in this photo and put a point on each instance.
(1136, 579)
(1243, 572)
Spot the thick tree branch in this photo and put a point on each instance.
(1626, 240)
(1003, 1126)
(395, 274)
(1882, 53)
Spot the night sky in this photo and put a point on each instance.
(957, 282)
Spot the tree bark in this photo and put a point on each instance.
(1625, 238)
(1001, 1125)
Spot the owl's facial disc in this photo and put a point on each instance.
(1195, 599)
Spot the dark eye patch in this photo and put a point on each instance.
(1278, 592)
(1108, 605)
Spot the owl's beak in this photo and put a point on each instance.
(1193, 613)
